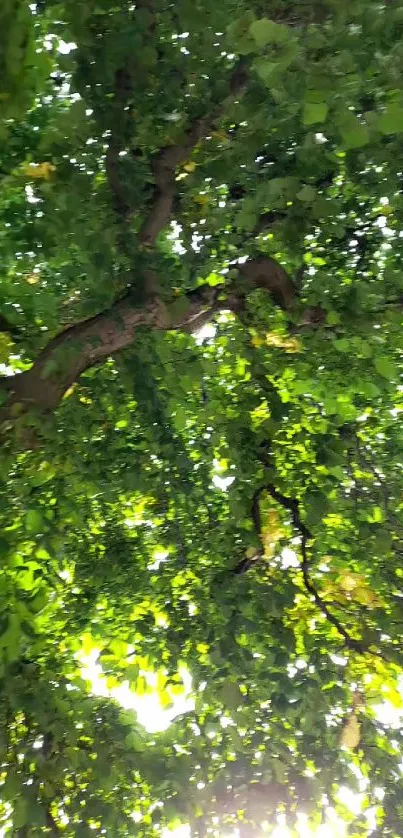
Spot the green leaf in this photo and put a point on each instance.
(314, 113)
(385, 367)
(333, 318)
(231, 695)
(34, 521)
(307, 194)
(354, 134)
(269, 71)
(342, 345)
(391, 121)
(266, 31)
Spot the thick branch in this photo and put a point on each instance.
(85, 344)
(82, 346)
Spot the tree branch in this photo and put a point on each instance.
(292, 506)
(168, 159)
(87, 343)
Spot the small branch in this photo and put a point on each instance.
(292, 506)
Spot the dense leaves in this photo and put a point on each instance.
(201, 456)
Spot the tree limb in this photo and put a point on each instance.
(169, 158)
(85, 344)
(166, 161)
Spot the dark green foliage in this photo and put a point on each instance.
(227, 504)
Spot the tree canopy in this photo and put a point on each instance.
(201, 302)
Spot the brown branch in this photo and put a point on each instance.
(169, 158)
(164, 165)
(166, 161)
(87, 343)
(263, 272)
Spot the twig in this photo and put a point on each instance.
(292, 506)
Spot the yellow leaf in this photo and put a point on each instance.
(392, 696)
(202, 200)
(360, 590)
(5, 348)
(256, 341)
(251, 552)
(190, 167)
(87, 643)
(349, 581)
(351, 733)
(283, 342)
(366, 597)
(39, 171)
(177, 689)
(165, 700)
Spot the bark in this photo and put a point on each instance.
(170, 158)
(166, 161)
(86, 344)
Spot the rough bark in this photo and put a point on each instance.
(87, 343)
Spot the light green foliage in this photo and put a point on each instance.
(116, 533)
